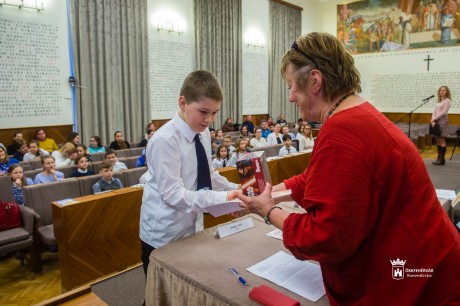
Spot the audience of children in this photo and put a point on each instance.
(19, 180)
(107, 181)
(35, 153)
(65, 156)
(5, 162)
(111, 156)
(287, 148)
(221, 159)
(82, 164)
(49, 173)
(119, 143)
(258, 141)
(95, 145)
(47, 144)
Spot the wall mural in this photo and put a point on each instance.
(392, 25)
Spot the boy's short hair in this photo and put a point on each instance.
(201, 84)
(286, 137)
(110, 151)
(106, 165)
(262, 121)
(77, 160)
(228, 137)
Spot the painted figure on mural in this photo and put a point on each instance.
(447, 20)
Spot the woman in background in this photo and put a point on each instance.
(73, 138)
(119, 143)
(306, 141)
(5, 162)
(439, 116)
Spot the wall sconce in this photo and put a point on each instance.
(254, 38)
(168, 21)
(20, 4)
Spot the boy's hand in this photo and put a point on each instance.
(233, 194)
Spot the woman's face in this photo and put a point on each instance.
(442, 92)
(33, 148)
(300, 97)
(76, 140)
(277, 128)
(93, 143)
(244, 129)
(17, 173)
(2, 154)
(119, 137)
(258, 133)
(307, 131)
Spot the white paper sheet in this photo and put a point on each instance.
(301, 277)
(277, 234)
(446, 194)
(224, 208)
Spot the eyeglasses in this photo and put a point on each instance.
(295, 47)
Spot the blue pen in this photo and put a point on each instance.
(238, 276)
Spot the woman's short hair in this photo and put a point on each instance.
(326, 53)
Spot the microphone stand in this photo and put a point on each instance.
(424, 101)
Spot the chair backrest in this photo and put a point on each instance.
(132, 175)
(26, 165)
(97, 156)
(137, 151)
(6, 189)
(131, 161)
(32, 173)
(67, 170)
(39, 197)
(36, 164)
(123, 153)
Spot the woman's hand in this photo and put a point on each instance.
(260, 204)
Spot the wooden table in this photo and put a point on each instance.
(97, 236)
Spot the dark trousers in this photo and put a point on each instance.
(146, 250)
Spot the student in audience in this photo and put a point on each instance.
(281, 120)
(439, 116)
(144, 141)
(82, 150)
(368, 199)
(249, 124)
(82, 164)
(258, 141)
(265, 129)
(212, 132)
(49, 174)
(65, 156)
(5, 162)
(221, 159)
(12, 147)
(47, 144)
(95, 145)
(228, 144)
(299, 123)
(177, 191)
(285, 130)
(275, 137)
(245, 132)
(140, 161)
(73, 138)
(228, 125)
(107, 181)
(306, 140)
(111, 155)
(287, 148)
(119, 143)
(35, 153)
(270, 123)
(19, 180)
(150, 127)
(22, 149)
(220, 136)
(241, 150)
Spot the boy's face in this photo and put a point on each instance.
(112, 158)
(199, 114)
(107, 174)
(287, 143)
(227, 142)
(285, 130)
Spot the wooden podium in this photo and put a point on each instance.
(97, 236)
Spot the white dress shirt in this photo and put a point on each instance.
(171, 204)
(258, 143)
(305, 143)
(285, 151)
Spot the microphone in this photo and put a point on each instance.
(428, 98)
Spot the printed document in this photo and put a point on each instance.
(301, 277)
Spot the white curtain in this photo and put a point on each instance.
(110, 45)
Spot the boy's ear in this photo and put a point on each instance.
(182, 103)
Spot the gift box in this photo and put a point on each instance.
(253, 172)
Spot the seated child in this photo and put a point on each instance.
(95, 145)
(17, 177)
(221, 159)
(81, 150)
(49, 174)
(141, 161)
(287, 148)
(107, 182)
(82, 170)
(35, 153)
(22, 149)
(111, 155)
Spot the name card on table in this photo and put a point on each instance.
(234, 227)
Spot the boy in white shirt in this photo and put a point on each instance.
(174, 196)
(111, 155)
(287, 148)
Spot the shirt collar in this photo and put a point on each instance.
(184, 127)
